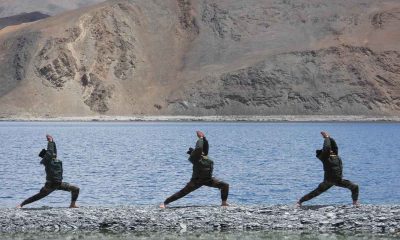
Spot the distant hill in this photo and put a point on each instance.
(49, 7)
(21, 18)
(210, 57)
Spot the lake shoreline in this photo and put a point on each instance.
(383, 219)
(235, 118)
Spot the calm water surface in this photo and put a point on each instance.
(141, 163)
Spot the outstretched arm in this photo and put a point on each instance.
(199, 143)
(327, 145)
(195, 154)
(326, 148)
(52, 149)
(324, 153)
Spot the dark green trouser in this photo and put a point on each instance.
(325, 185)
(50, 187)
(197, 183)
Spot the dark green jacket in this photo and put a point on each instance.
(53, 166)
(203, 166)
(333, 166)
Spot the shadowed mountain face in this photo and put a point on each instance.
(205, 57)
(50, 7)
(21, 18)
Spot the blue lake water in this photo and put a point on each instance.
(142, 163)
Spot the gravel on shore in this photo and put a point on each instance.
(366, 218)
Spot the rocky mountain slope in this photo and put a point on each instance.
(205, 57)
(49, 7)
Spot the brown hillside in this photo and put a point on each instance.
(205, 57)
(49, 7)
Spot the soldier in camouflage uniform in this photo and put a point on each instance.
(333, 171)
(54, 172)
(202, 173)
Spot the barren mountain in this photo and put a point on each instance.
(21, 18)
(205, 57)
(49, 7)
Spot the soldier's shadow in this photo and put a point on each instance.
(191, 206)
(42, 208)
(314, 207)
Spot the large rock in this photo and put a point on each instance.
(189, 57)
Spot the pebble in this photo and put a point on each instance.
(331, 215)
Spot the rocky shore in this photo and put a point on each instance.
(323, 219)
(216, 118)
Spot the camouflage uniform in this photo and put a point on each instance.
(54, 172)
(194, 184)
(50, 187)
(201, 176)
(333, 171)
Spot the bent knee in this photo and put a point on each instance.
(225, 186)
(75, 189)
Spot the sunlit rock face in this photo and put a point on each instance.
(192, 57)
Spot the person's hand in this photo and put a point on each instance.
(325, 134)
(49, 138)
(200, 134)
